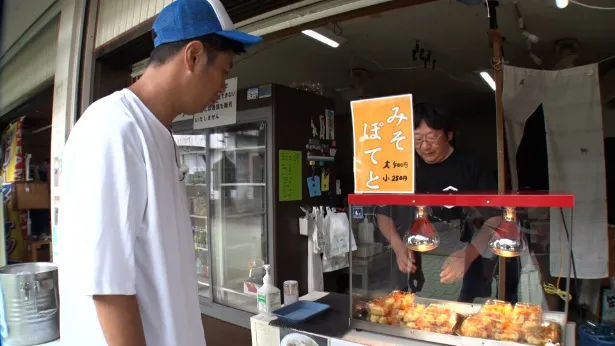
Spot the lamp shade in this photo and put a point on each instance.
(507, 240)
(422, 236)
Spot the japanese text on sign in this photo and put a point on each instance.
(223, 112)
(383, 138)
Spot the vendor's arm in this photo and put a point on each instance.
(386, 225)
(114, 191)
(456, 265)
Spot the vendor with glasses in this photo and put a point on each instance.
(463, 231)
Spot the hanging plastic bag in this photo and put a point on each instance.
(318, 235)
(341, 238)
(315, 269)
(328, 239)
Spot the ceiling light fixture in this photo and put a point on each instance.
(561, 3)
(325, 36)
(322, 38)
(488, 79)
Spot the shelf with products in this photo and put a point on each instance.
(448, 293)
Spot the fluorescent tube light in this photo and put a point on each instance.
(488, 79)
(320, 37)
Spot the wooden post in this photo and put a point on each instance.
(496, 43)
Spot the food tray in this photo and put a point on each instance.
(300, 311)
(361, 320)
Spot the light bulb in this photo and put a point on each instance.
(507, 240)
(422, 236)
(561, 3)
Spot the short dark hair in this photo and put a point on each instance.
(214, 44)
(434, 118)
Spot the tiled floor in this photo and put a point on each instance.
(433, 288)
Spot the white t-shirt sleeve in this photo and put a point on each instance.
(113, 194)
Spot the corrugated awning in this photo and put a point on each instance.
(240, 10)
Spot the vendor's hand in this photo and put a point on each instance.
(453, 268)
(405, 259)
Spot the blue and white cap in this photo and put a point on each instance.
(188, 19)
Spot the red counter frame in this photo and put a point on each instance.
(509, 199)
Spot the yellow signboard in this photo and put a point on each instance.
(383, 136)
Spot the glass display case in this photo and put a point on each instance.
(238, 212)
(242, 218)
(462, 269)
(226, 187)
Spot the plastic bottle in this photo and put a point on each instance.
(366, 232)
(268, 296)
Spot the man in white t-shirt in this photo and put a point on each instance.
(125, 246)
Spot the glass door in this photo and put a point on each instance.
(192, 152)
(238, 200)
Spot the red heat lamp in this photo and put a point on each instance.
(422, 236)
(507, 240)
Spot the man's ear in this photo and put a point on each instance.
(194, 52)
(450, 135)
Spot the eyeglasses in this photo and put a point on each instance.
(429, 140)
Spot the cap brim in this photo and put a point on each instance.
(246, 39)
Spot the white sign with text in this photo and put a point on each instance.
(224, 112)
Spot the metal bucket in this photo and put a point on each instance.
(30, 306)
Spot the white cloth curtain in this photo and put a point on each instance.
(573, 120)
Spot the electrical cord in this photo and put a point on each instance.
(593, 7)
(554, 289)
(408, 68)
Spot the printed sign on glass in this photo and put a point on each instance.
(383, 137)
(224, 112)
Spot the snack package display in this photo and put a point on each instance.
(377, 307)
(394, 309)
(497, 309)
(525, 313)
(413, 314)
(496, 320)
(438, 319)
(507, 332)
(546, 332)
(477, 326)
(400, 300)
(13, 168)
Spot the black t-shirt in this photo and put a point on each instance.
(460, 172)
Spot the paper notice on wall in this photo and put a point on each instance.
(323, 127)
(290, 175)
(224, 112)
